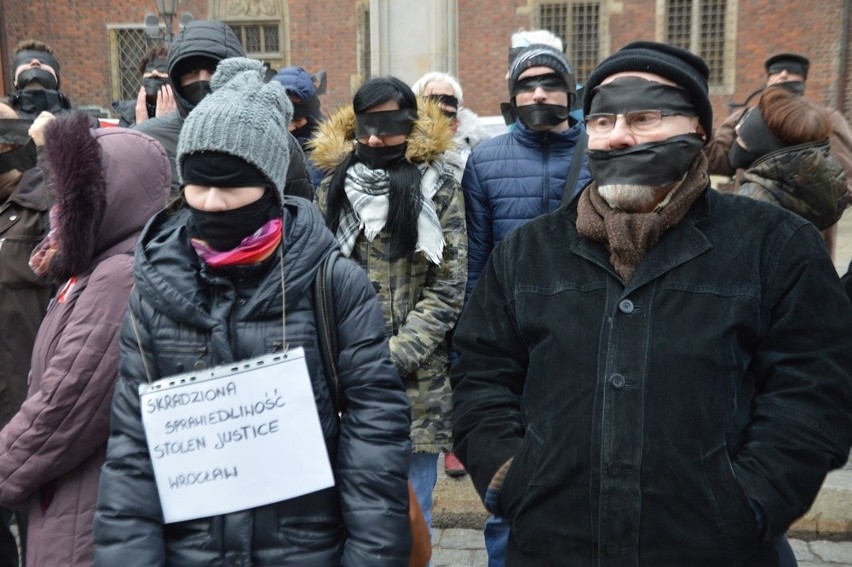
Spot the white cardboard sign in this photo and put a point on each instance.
(234, 437)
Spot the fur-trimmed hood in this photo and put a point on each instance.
(335, 139)
(105, 184)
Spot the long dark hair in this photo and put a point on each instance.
(404, 197)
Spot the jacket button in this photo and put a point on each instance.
(626, 306)
(13, 217)
(613, 549)
(616, 381)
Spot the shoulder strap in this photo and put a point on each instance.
(574, 170)
(326, 323)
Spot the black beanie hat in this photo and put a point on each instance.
(542, 55)
(794, 60)
(687, 70)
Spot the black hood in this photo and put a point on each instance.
(211, 39)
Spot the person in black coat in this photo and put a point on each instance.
(211, 289)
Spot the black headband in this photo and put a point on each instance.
(445, 99)
(385, 123)
(790, 65)
(625, 94)
(27, 55)
(549, 82)
(218, 169)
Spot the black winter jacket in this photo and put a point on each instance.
(648, 419)
(186, 316)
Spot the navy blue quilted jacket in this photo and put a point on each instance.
(511, 179)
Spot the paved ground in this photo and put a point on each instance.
(457, 547)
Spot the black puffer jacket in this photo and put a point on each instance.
(213, 40)
(186, 315)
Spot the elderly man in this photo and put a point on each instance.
(657, 374)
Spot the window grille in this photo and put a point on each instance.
(363, 41)
(577, 24)
(127, 46)
(261, 40)
(701, 27)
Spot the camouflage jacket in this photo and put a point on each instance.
(421, 301)
(804, 179)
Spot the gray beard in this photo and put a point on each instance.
(629, 198)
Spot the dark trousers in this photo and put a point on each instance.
(8, 544)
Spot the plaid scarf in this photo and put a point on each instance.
(368, 189)
(252, 250)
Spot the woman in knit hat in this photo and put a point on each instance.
(783, 147)
(396, 208)
(228, 278)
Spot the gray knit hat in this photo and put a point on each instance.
(541, 55)
(243, 117)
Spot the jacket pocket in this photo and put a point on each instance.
(735, 516)
(519, 475)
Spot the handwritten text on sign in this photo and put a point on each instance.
(234, 437)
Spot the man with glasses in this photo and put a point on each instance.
(657, 374)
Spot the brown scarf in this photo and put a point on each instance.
(629, 236)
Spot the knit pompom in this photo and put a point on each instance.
(250, 69)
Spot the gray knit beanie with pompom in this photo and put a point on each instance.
(243, 117)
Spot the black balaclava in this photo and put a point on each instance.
(224, 230)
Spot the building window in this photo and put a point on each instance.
(127, 46)
(577, 24)
(702, 27)
(363, 40)
(260, 40)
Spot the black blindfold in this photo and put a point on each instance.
(43, 57)
(216, 169)
(626, 94)
(387, 123)
(550, 82)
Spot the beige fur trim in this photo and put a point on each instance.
(335, 138)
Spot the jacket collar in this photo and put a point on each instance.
(532, 138)
(31, 192)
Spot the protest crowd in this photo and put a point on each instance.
(243, 329)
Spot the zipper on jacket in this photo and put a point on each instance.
(545, 183)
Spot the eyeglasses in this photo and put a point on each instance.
(637, 121)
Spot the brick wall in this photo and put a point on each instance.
(323, 36)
